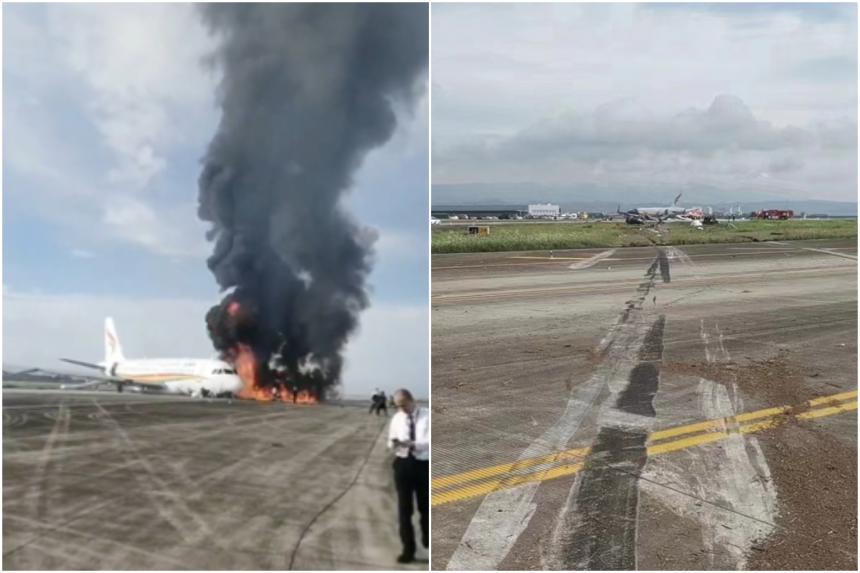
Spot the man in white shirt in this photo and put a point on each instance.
(409, 437)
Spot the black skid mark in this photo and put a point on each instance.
(664, 266)
(607, 502)
(638, 396)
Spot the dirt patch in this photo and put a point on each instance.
(774, 381)
(816, 479)
(814, 472)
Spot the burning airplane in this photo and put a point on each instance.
(306, 91)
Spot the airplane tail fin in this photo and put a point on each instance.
(675, 202)
(113, 349)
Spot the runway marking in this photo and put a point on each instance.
(501, 469)
(552, 258)
(706, 432)
(574, 453)
(591, 261)
(829, 251)
(459, 297)
(741, 252)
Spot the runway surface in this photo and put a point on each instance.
(646, 408)
(96, 480)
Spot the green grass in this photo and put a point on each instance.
(546, 236)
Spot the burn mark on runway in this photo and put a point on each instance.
(607, 503)
(664, 266)
(652, 346)
(596, 526)
(641, 291)
(638, 396)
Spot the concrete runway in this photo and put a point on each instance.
(98, 480)
(646, 408)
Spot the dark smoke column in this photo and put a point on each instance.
(307, 91)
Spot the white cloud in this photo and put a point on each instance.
(98, 108)
(82, 254)
(557, 93)
(173, 231)
(142, 64)
(724, 145)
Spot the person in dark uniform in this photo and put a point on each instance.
(382, 404)
(409, 438)
(374, 401)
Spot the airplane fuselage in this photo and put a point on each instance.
(191, 376)
(659, 211)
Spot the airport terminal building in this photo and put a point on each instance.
(544, 210)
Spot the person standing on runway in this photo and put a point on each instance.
(374, 402)
(409, 437)
(382, 405)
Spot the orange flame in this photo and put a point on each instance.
(248, 370)
(300, 397)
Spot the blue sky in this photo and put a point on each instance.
(107, 110)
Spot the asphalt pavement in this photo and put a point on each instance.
(646, 408)
(98, 480)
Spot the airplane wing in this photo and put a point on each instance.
(84, 364)
(89, 384)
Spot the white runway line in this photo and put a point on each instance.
(830, 252)
(824, 251)
(591, 260)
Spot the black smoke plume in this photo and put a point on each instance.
(306, 91)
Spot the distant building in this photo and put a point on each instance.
(544, 210)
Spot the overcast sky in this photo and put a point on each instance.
(734, 97)
(107, 112)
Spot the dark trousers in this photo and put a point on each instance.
(412, 479)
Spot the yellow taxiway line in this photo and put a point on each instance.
(480, 482)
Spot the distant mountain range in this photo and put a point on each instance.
(518, 195)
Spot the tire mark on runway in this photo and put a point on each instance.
(39, 487)
(65, 528)
(188, 524)
(596, 529)
(504, 514)
(603, 524)
(333, 501)
(664, 266)
(40, 474)
(733, 477)
(638, 397)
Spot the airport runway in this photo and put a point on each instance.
(646, 408)
(97, 480)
